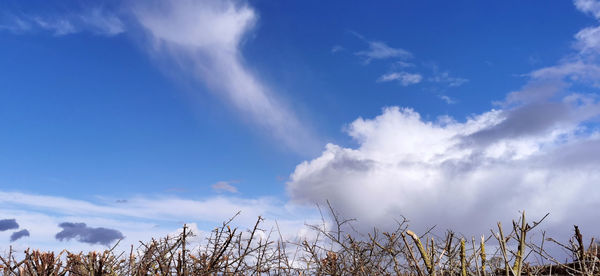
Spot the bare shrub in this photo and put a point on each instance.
(335, 250)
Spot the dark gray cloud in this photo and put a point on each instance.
(535, 92)
(539, 108)
(8, 224)
(19, 234)
(523, 121)
(585, 154)
(82, 233)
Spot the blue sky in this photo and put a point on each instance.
(272, 106)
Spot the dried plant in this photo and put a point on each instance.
(335, 250)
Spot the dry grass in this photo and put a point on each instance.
(229, 251)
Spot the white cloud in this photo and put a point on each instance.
(14, 24)
(403, 64)
(464, 176)
(204, 38)
(167, 208)
(404, 78)
(540, 152)
(380, 50)
(444, 77)
(140, 218)
(58, 26)
(588, 39)
(589, 6)
(101, 21)
(93, 19)
(336, 48)
(582, 66)
(447, 99)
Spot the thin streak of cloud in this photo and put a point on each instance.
(447, 99)
(445, 78)
(403, 64)
(337, 48)
(93, 19)
(142, 218)
(58, 26)
(380, 50)
(225, 186)
(165, 208)
(404, 78)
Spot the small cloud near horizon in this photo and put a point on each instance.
(8, 224)
(82, 233)
(19, 234)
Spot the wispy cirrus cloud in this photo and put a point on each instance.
(225, 186)
(404, 72)
(337, 48)
(203, 38)
(404, 78)
(380, 50)
(171, 208)
(445, 78)
(447, 99)
(403, 64)
(90, 19)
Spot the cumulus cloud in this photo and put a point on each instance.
(225, 186)
(404, 78)
(454, 174)
(8, 224)
(19, 234)
(205, 37)
(538, 151)
(85, 234)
